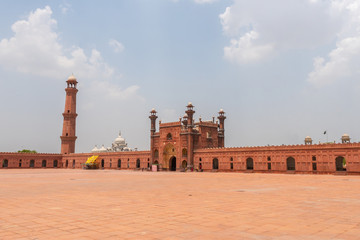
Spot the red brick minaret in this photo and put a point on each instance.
(68, 137)
(153, 118)
(190, 125)
(221, 133)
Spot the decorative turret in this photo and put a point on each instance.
(190, 113)
(68, 137)
(221, 133)
(345, 138)
(185, 120)
(308, 140)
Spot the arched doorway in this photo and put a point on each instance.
(340, 163)
(137, 163)
(290, 164)
(172, 164)
(102, 163)
(119, 163)
(43, 163)
(184, 164)
(67, 163)
(215, 163)
(5, 163)
(168, 153)
(55, 163)
(73, 164)
(249, 164)
(32, 163)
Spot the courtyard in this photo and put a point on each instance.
(110, 204)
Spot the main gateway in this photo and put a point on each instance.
(189, 145)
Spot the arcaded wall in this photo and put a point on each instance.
(318, 158)
(110, 160)
(27, 160)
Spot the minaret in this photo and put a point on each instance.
(153, 118)
(190, 125)
(221, 133)
(68, 137)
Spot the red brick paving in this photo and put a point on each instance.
(109, 204)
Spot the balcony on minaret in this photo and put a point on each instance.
(71, 82)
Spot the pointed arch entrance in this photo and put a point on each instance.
(340, 163)
(138, 163)
(290, 164)
(249, 164)
(172, 164)
(215, 164)
(169, 153)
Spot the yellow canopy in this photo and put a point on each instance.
(92, 159)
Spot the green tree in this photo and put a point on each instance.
(27, 151)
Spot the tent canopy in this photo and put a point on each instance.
(92, 160)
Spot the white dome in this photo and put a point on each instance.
(308, 137)
(95, 149)
(72, 78)
(102, 149)
(345, 135)
(119, 139)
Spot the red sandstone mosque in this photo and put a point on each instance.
(189, 145)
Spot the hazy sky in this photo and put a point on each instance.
(280, 69)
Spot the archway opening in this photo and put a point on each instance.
(32, 163)
(5, 163)
(137, 163)
(215, 163)
(249, 164)
(119, 163)
(168, 153)
(55, 163)
(43, 163)
(67, 163)
(290, 164)
(184, 164)
(102, 163)
(340, 163)
(172, 164)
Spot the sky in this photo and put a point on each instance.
(281, 70)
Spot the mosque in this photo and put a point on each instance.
(119, 145)
(189, 145)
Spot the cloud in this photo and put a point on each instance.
(112, 91)
(35, 49)
(276, 26)
(342, 64)
(245, 50)
(117, 46)
(342, 61)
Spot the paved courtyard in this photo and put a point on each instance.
(109, 204)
